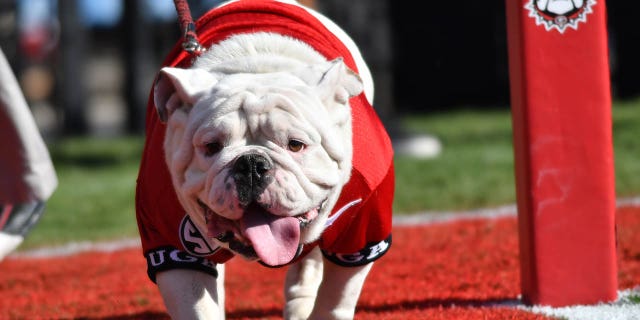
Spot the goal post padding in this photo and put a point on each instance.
(561, 113)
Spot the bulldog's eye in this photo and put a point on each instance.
(212, 148)
(295, 145)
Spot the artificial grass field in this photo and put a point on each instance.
(457, 270)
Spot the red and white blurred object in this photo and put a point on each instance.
(28, 175)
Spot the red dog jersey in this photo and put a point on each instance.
(359, 228)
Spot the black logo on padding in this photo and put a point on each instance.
(560, 14)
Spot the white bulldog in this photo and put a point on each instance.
(258, 144)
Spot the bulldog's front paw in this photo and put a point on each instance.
(301, 285)
(299, 308)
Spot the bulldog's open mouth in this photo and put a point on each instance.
(275, 240)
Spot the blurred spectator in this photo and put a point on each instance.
(38, 27)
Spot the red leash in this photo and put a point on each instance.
(191, 44)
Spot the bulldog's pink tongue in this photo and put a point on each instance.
(275, 239)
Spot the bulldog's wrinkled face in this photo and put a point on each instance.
(258, 160)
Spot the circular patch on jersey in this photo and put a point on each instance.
(192, 239)
(560, 14)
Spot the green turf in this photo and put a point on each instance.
(95, 197)
(626, 134)
(475, 168)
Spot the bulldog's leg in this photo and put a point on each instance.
(190, 294)
(301, 285)
(339, 291)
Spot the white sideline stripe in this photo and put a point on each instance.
(433, 217)
(422, 218)
(78, 247)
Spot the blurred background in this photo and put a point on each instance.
(86, 66)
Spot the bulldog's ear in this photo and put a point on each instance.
(175, 87)
(335, 80)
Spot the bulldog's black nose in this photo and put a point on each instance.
(252, 175)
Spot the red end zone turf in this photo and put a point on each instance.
(455, 270)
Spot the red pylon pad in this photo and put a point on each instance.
(561, 110)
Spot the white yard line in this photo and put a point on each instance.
(626, 307)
